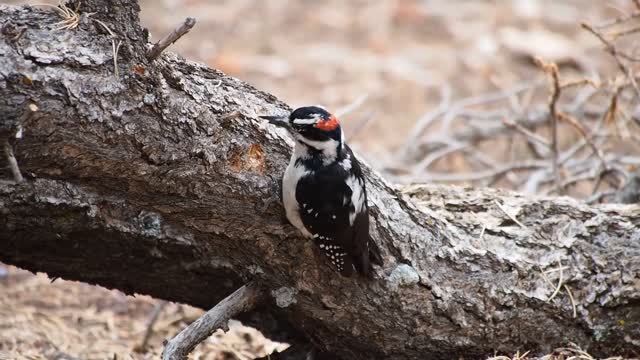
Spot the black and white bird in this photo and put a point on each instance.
(324, 193)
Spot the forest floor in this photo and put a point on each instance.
(392, 58)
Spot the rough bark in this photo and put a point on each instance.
(162, 181)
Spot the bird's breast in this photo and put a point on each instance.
(290, 181)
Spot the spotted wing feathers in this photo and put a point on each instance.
(336, 254)
(333, 209)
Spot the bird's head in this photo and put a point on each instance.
(310, 124)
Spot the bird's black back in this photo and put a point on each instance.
(325, 200)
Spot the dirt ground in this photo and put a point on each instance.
(41, 319)
(393, 57)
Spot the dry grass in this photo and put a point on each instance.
(572, 352)
(70, 17)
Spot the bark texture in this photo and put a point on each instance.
(162, 181)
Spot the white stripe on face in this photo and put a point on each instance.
(314, 118)
(304, 121)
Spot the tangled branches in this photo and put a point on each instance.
(583, 140)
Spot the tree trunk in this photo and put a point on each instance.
(161, 180)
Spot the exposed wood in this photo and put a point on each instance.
(11, 160)
(146, 184)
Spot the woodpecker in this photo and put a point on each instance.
(324, 193)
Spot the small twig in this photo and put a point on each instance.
(597, 197)
(513, 99)
(559, 286)
(115, 47)
(623, 33)
(484, 227)
(530, 135)
(153, 318)
(113, 35)
(509, 215)
(573, 302)
(557, 290)
(436, 155)
(13, 163)
(618, 20)
(571, 181)
(579, 83)
(424, 122)
(451, 110)
(242, 300)
(545, 278)
(552, 71)
(611, 49)
(172, 37)
(561, 268)
(583, 132)
(614, 7)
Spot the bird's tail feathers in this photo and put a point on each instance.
(364, 265)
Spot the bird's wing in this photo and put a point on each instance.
(325, 204)
(360, 243)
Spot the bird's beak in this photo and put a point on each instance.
(281, 121)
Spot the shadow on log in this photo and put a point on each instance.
(161, 180)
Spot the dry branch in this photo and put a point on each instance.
(172, 37)
(611, 49)
(242, 300)
(145, 183)
(469, 131)
(554, 94)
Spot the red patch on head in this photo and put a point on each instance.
(327, 125)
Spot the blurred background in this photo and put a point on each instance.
(426, 90)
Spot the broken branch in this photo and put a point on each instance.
(242, 300)
(172, 37)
